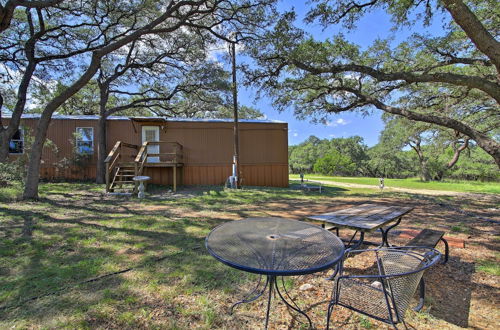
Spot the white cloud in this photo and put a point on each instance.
(342, 121)
(293, 132)
(338, 122)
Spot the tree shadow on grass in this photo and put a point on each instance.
(55, 258)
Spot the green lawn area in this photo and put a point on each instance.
(80, 259)
(414, 183)
(76, 233)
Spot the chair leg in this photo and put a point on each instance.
(331, 305)
(422, 296)
(446, 250)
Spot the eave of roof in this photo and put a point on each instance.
(150, 119)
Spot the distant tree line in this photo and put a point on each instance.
(393, 158)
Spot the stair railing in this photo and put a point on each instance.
(114, 158)
(141, 158)
(139, 161)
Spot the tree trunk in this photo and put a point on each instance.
(4, 146)
(101, 148)
(424, 171)
(456, 156)
(101, 127)
(33, 175)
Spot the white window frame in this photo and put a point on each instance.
(77, 134)
(21, 130)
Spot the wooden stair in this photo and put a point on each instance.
(123, 178)
(120, 172)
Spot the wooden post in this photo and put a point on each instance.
(107, 177)
(175, 178)
(181, 173)
(136, 170)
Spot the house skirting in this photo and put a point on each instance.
(271, 175)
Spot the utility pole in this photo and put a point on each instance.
(236, 156)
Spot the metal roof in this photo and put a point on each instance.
(151, 119)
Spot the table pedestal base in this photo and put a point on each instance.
(271, 285)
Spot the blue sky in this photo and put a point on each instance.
(373, 26)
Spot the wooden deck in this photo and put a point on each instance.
(163, 164)
(120, 170)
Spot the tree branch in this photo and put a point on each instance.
(7, 10)
(475, 30)
(457, 153)
(491, 88)
(489, 145)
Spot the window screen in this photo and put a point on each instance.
(85, 140)
(151, 135)
(16, 144)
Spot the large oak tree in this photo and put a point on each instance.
(450, 80)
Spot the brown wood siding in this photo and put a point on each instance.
(58, 150)
(207, 149)
(253, 175)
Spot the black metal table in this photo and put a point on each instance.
(274, 247)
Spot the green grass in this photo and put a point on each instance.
(461, 228)
(414, 183)
(10, 192)
(488, 266)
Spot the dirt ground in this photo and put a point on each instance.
(459, 293)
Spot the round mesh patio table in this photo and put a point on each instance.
(274, 247)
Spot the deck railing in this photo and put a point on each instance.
(169, 152)
(141, 158)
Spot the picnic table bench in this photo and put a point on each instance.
(430, 238)
(311, 187)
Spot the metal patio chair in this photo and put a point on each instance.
(386, 293)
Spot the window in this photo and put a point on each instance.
(16, 144)
(85, 140)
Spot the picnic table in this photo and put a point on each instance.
(274, 247)
(362, 219)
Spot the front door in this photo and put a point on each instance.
(152, 134)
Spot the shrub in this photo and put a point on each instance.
(11, 172)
